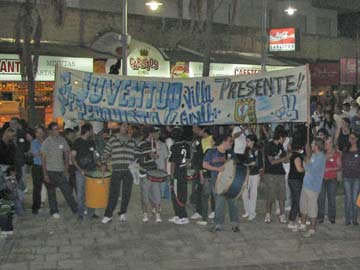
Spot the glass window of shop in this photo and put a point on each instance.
(14, 91)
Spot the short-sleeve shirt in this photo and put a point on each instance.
(276, 151)
(314, 172)
(197, 154)
(54, 149)
(35, 150)
(162, 151)
(215, 158)
(330, 164)
(85, 156)
(144, 157)
(179, 154)
(240, 142)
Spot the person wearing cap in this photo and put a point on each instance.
(178, 158)
(150, 191)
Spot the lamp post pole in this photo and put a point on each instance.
(124, 37)
(264, 36)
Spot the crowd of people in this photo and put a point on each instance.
(300, 169)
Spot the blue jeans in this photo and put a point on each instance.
(233, 208)
(165, 189)
(352, 189)
(80, 194)
(328, 191)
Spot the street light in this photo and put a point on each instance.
(290, 10)
(124, 37)
(154, 5)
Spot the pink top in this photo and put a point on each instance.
(331, 162)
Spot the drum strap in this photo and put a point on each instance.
(176, 194)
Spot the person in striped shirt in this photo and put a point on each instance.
(120, 151)
(150, 191)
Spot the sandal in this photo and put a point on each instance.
(267, 218)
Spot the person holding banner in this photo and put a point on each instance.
(178, 158)
(120, 150)
(314, 165)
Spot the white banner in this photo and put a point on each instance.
(279, 96)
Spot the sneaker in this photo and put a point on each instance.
(302, 228)
(215, 229)
(212, 215)
(56, 215)
(251, 217)
(94, 216)
(309, 233)
(196, 216)
(106, 220)
(282, 219)
(123, 218)
(145, 218)
(268, 218)
(235, 229)
(292, 225)
(158, 218)
(245, 215)
(182, 221)
(173, 219)
(201, 223)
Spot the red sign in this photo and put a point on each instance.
(325, 74)
(9, 66)
(348, 71)
(282, 39)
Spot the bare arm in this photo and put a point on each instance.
(298, 165)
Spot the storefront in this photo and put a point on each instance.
(14, 91)
(195, 69)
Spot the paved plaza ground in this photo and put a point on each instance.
(41, 242)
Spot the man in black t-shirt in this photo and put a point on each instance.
(197, 156)
(83, 156)
(178, 158)
(274, 175)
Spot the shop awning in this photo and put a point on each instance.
(57, 49)
(182, 54)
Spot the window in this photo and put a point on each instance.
(323, 26)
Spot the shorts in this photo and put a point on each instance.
(309, 203)
(275, 187)
(150, 192)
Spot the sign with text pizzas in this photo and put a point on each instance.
(282, 40)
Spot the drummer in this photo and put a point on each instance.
(83, 157)
(179, 157)
(146, 155)
(214, 161)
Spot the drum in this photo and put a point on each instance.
(231, 181)
(191, 174)
(97, 189)
(157, 175)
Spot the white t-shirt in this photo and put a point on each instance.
(240, 142)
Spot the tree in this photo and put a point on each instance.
(28, 30)
(28, 33)
(211, 9)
